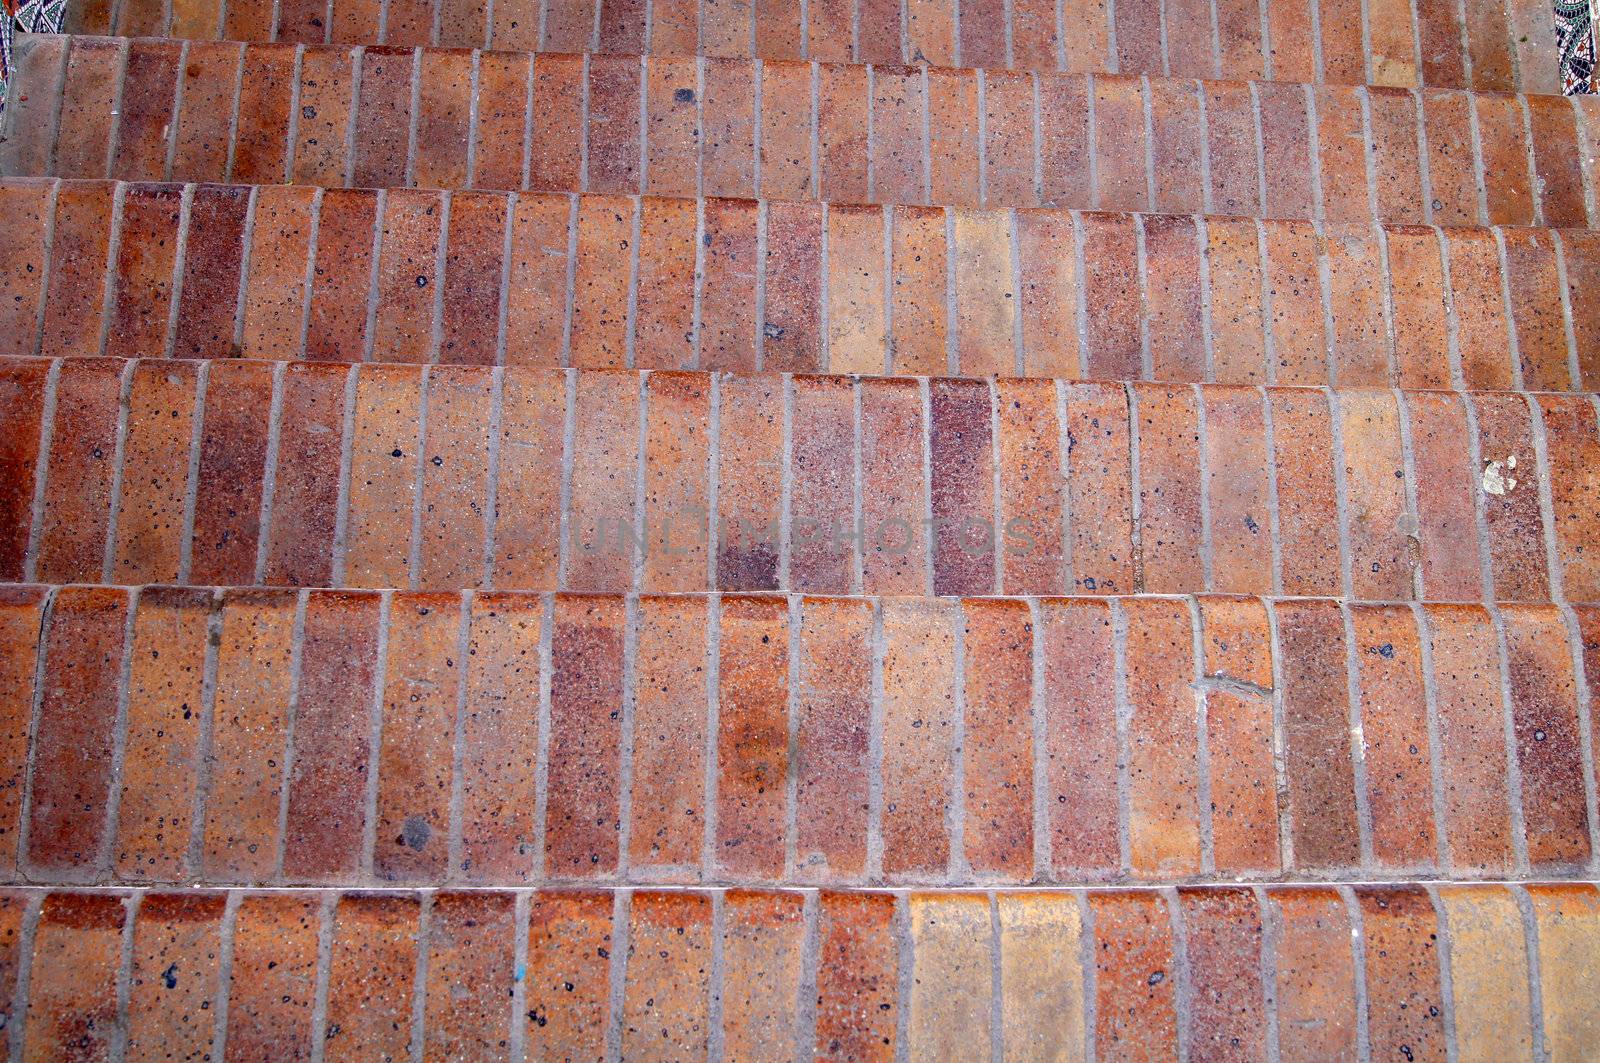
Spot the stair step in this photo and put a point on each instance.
(357, 738)
(338, 116)
(161, 471)
(1381, 42)
(211, 271)
(1311, 973)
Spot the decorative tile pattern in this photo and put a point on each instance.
(1575, 34)
(29, 16)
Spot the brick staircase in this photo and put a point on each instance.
(672, 530)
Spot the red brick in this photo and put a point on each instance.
(1396, 175)
(1239, 33)
(173, 981)
(953, 147)
(895, 553)
(1119, 144)
(857, 338)
(857, 982)
(1294, 289)
(1489, 44)
(601, 515)
(1047, 255)
(1031, 488)
(1405, 1006)
(36, 60)
(676, 519)
(1175, 142)
(515, 25)
(1008, 138)
(731, 265)
(1477, 295)
(261, 143)
(570, 26)
(962, 486)
(326, 100)
(918, 734)
(1359, 342)
(336, 326)
(1302, 440)
(1558, 174)
(473, 271)
(1452, 169)
(499, 739)
(1171, 546)
(1343, 53)
(1237, 666)
(1580, 252)
(1136, 977)
(1447, 529)
(586, 695)
(76, 965)
(251, 704)
(999, 742)
(87, 111)
(420, 687)
(332, 724)
(527, 536)
(666, 1003)
(1316, 980)
(728, 163)
(408, 23)
(1440, 44)
(306, 482)
(664, 325)
(75, 733)
(1549, 750)
(155, 472)
(1111, 315)
(777, 29)
(842, 120)
(381, 142)
(1081, 758)
(792, 328)
(275, 289)
(786, 120)
(569, 942)
(752, 738)
(558, 132)
(274, 976)
(384, 473)
(879, 32)
(1099, 482)
(213, 259)
(463, 26)
(408, 265)
(1417, 289)
(302, 21)
(536, 288)
(1139, 44)
(898, 104)
(29, 205)
(145, 110)
(504, 84)
(1379, 522)
(1534, 290)
(1035, 35)
(21, 618)
(949, 1003)
(985, 302)
(762, 941)
(1174, 304)
(1341, 144)
(1509, 495)
(749, 491)
(1466, 674)
(1237, 490)
(1238, 313)
(444, 119)
(669, 738)
(79, 249)
(161, 759)
(371, 970)
(22, 389)
(1572, 445)
(822, 478)
(1064, 140)
(613, 135)
(356, 21)
(78, 482)
(1163, 740)
(919, 279)
(1316, 735)
(1503, 152)
(455, 473)
(470, 976)
(834, 720)
(1223, 942)
(1394, 735)
(250, 20)
(622, 27)
(1286, 132)
(1231, 140)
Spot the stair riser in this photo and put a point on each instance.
(361, 738)
(442, 478)
(794, 131)
(210, 271)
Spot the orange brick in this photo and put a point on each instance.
(791, 330)
(833, 710)
(984, 296)
(536, 289)
(1174, 304)
(1503, 152)
(266, 86)
(275, 289)
(407, 276)
(666, 1002)
(961, 465)
(1447, 529)
(1476, 291)
(78, 481)
(1171, 544)
(1237, 664)
(332, 723)
(857, 983)
(1238, 316)
(1404, 999)
(1296, 329)
(752, 737)
(385, 470)
(1316, 981)
(455, 460)
(1549, 751)
(1341, 147)
(728, 163)
(1285, 122)
(1081, 755)
(1359, 342)
(918, 734)
(1572, 445)
(1534, 287)
(894, 557)
(444, 118)
(676, 482)
(731, 266)
(1379, 522)
(821, 474)
(672, 130)
(87, 112)
(1452, 168)
(21, 619)
(842, 109)
(1099, 482)
(569, 943)
(500, 739)
(80, 244)
(857, 337)
(1047, 254)
(420, 687)
(1121, 182)
(1231, 142)
(749, 483)
(786, 121)
(473, 268)
(586, 695)
(879, 33)
(72, 992)
(505, 81)
(1302, 440)
(161, 762)
(336, 326)
(1394, 735)
(1396, 176)
(1417, 289)
(173, 980)
(1008, 138)
(1111, 313)
(319, 155)
(1237, 490)
(1135, 984)
(669, 737)
(953, 147)
(1552, 128)
(155, 473)
(1163, 740)
(1139, 45)
(471, 973)
(664, 325)
(306, 490)
(1508, 491)
(602, 521)
(613, 163)
(762, 941)
(951, 973)
(1440, 45)
(274, 975)
(1223, 942)
(1313, 687)
(998, 752)
(144, 268)
(29, 205)
(919, 278)
(371, 970)
(1031, 488)
(558, 133)
(1064, 138)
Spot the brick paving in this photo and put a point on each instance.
(799, 528)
